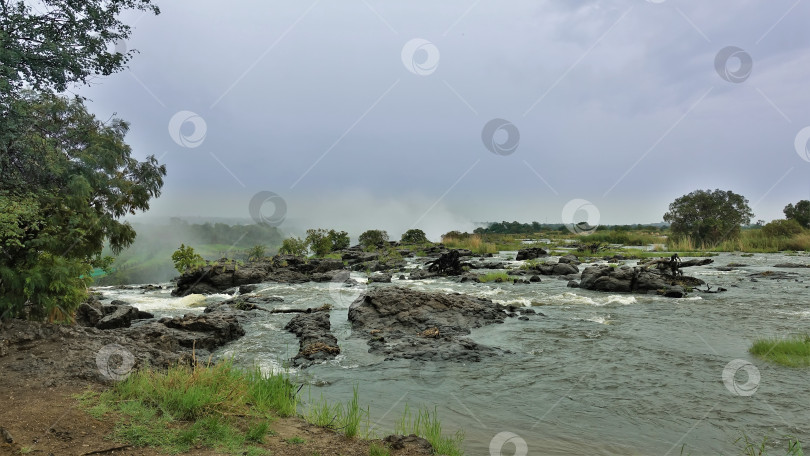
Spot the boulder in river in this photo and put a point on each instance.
(405, 323)
(530, 253)
(315, 340)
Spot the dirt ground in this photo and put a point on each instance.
(39, 411)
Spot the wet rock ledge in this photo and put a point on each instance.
(404, 323)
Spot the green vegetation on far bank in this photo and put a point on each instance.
(792, 351)
(231, 410)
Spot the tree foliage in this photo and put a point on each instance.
(318, 241)
(799, 212)
(67, 179)
(340, 240)
(414, 236)
(708, 217)
(293, 246)
(47, 48)
(782, 228)
(373, 238)
(185, 258)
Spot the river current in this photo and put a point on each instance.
(599, 373)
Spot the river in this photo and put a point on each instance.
(598, 374)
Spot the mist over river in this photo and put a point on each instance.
(600, 373)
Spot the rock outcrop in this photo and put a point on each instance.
(405, 323)
(315, 340)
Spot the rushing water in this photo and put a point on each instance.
(598, 374)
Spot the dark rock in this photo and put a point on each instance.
(676, 291)
(530, 253)
(627, 279)
(419, 274)
(245, 289)
(89, 314)
(564, 269)
(207, 331)
(392, 318)
(535, 278)
(9, 439)
(117, 316)
(570, 259)
(572, 284)
(379, 278)
(315, 340)
(399, 442)
(791, 265)
(402, 277)
(448, 264)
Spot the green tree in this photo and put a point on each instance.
(708, 217)
(293, 246)
(782, 228)
(47, 48)
(373, 238)
(414, 236)
(800, 213)
(185, 258)
(67, 180)
(319, 241)
(340, 240)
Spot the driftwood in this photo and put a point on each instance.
(303, 311)
(448, 263)
(675, 266)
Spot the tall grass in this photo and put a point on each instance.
(753, 240)
(623, 237)
(426, 425)
(473, 243)
(184, 407)
(793, 351)
(340, 417)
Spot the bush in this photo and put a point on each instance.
(256, 252)
(782, 228)
(373, 238)
(414, 236)
(293, 246)
(185, 258)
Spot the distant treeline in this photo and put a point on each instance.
(148, 259)
(537, 227)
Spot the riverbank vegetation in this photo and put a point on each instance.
(232, 410)
(793, 351)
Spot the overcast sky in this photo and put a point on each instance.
(369, 114)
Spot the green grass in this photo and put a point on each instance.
(184, 407)
(378, 450)
(792, 352)
(494, 276)
(295, 440)
(426, 425)
(752, 448)
(345, 418)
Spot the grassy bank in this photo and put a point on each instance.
(792, 352)
(232, 411)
